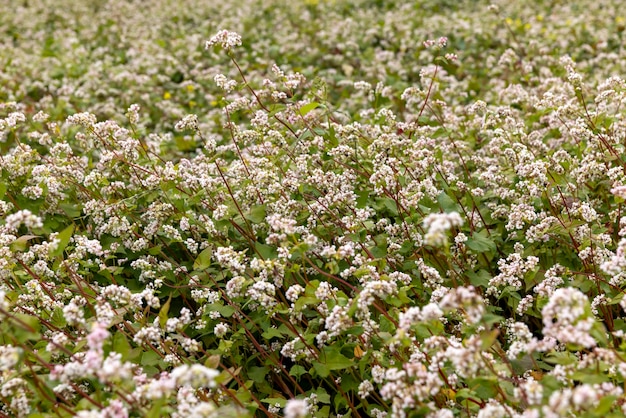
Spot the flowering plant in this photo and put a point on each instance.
(347, 211)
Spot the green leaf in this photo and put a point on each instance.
(58, 319)
(281, 402)
(464, 394)
(391, 205)
(605, 405)
(26, 327)
(480, 278)
(349, 383)
(427, 330)
(213, 361)
(225, 310)
(323, 412)
(332, 137)
(322, 396)
(305, 300)
(490, 318)
(21, 243)
(480, 243)
(156, 250)
(308, 107)
(380, 251)
(591, 377)
(256, 214)
(598, 332)
(203, 260)
(485, 388)
(321, 369)
(271, 333)
(150, 358)
(258, 373)
(331, 359)
(385, 324)
(70, 209)
(488, 338)
(157, 408)
(121, 345)
(266, 251)
(64, 239)
(297, 371)
(447, 204)
(562, 358)
(163, 313)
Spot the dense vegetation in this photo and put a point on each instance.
(322, 208)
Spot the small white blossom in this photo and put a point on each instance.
(226, 39)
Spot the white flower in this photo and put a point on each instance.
(197, 376)
(4, 303)
(225, 39)
(438, 224)
(566, 318)
(224, 83)
(133, 113)
(220, 329)
(619, 191)
(83, 119)
(9, 357)
(296, 408)
(188, 123)
(365, 388)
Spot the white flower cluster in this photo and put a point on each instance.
(224, 83)
(12, 120)
(224, 38)
(197, 376)
(467, 301)
(415, 314)
(437, 225)
(296, 408)
(310, 213)
(84, 119)
(188, 123)
(512, 272)
(23, 217)
(567, 318)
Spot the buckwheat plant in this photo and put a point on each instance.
(312, 209)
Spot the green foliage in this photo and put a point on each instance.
(371, 225)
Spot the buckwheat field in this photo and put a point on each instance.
(312, 208)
